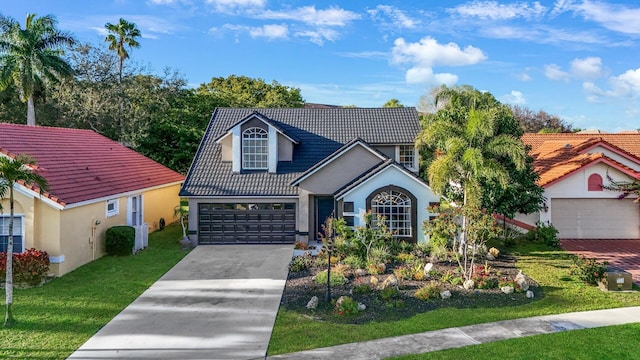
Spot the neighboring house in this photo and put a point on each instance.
(275, 175)
(94, 184)
(573, 169)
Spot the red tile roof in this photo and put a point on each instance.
(82, 165)
(559, 155)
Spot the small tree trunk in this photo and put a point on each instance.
(31, 112)
(8, 316)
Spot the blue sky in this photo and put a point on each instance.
(578, 59)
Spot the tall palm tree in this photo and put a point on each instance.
(469, 150)
(12, 171)
(120, 36)
(30, 58)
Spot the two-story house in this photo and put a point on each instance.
(275, 175)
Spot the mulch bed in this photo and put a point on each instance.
(300, 288)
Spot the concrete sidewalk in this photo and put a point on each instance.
(470, 335)
(219, 302)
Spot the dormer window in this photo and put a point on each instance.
(255, 149)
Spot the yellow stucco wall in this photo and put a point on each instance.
(73, 232)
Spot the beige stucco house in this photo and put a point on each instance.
(94, 183)
(275, 175)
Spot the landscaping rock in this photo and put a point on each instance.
(490, 257)
(313, 303)
(428, 268)
(507, 289)
(360, 272)
(530, 294)
(340, 301)
(468, 284)
(445, 294)
(391, 280)
(521, 280)
(374, 281)
(362, 307)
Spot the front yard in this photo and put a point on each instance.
(55, 319)
(298, 328)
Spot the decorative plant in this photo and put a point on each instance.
(346, 306)
(588, 270)
(182, 212)
(430, 291)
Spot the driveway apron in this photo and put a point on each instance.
(623, 254)
(219, 302)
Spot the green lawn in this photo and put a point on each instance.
(549, 266)
(55, 319)
(612, 342)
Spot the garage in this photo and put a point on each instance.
(596, 218)
(246, 223)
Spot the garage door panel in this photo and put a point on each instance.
(246, 223)
(596, 218)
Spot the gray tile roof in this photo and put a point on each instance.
(320, 132)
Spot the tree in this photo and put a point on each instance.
(470, 141)
(393, 103)
(541, 121)
(31, 57)
(12, 171)
(242, 91)
(122, 35)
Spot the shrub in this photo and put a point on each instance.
(458, 280)
(300, 263)
(405, 258)
(428, 292)
(380, 254)
(545, 233)
(402, 272)
(29, 267)
(120, 240)
(417, 272)
(337, 278)
(588, 270)
(389, 293)
(354, 262)
(298, 245)
(362, 289)
(376, 268)
(346, 306)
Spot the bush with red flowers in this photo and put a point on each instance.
(29, 267)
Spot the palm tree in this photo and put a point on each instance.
(30, 58)
(12, 171)
(120, 36)
(469, 150)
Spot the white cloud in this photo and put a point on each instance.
(614, 17)
(514, 97)
(332, 16)
(270, 32)
(397, 18)
(524, 76)
(227, 6)
(318, 36)
(554, 72)
(587, 68)
(494, 10)
(428, 52)
(626, 84)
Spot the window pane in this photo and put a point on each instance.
(395, 207)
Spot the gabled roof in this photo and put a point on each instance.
(627, 142)
(378, 168)
(320, 131)
(81, 165)
(336, 154)
(558, 158)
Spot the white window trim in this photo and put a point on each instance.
(414, 168)
(116, 209)
(23, 227)
(390, 203)
(243, 140)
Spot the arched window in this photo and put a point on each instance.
(398, 207)
(255, 149)
(594, 183)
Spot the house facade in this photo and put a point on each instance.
(276, 175)
(575, 170)
(94, 184)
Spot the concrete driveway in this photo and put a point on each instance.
(219, 302)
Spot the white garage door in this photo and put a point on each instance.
(596, 218)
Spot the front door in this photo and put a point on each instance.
(324, 208)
